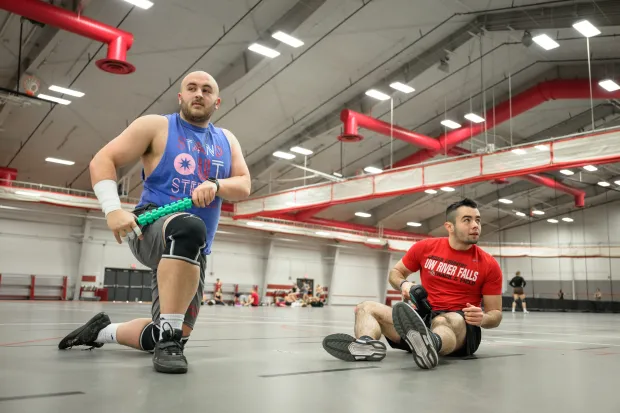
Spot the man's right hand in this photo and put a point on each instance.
(122, 223)
(404, 290)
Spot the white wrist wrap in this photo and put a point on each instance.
(107, 194)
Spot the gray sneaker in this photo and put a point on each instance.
(411, 328)
(348, 348)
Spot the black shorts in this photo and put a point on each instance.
(473, 337)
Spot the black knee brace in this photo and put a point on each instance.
(186, 236)
(150, 336)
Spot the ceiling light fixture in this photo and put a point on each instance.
(603, 183)
(538, 212)
(402, 87)
(566, 219)
(521, 214)
(519, 151)
(553, 221)
(363, 214)
(60, 161)
(609, 85)
(288, 39)
(474, 118)
(447, 189)
(377, 95)
(567, 172)
(373, 170)
(301, 151)
(590, 168)
(450, 124)
(505, 201)
(414, 224)
(53, 99)
(586, 28)
(430, 191)
(143, 4)
(66, 91)
(338, 174)
(283, 155)
(265, 51)
(546, 42)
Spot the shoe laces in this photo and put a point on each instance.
(171, 346)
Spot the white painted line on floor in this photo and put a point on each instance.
(587, 334)
(557, 341)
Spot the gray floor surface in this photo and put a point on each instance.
(271, 359)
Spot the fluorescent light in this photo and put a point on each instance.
(519, 151)
(377, 95)
(255, 224)
(66, 91)
(414, 224)
(590, 168)
(283, 155)
(54, 99)
(505, 201)
(288, 39)
(603, 183)
(474, 118)
(363, 214)
(374, 240)
(617, 182)
(338, 174)
(265, 51)
(537, 212)
(447, 189)
(60, 161)
(143, 4)
(545, 42)
(450, 124)
(586, 28)
(431, 191)
(609, 85)
(402, 87)
(567, 172)
(301, 151)
(553, 221)
(520, 214)
(373, 170)
(566, 219)
(322, 233)
(28, 193)
(542, 147)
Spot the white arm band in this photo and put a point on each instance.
(107, 194)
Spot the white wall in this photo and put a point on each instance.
(359, 275)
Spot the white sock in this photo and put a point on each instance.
(108, 334)
(175, 321)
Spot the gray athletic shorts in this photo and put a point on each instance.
(149, 251)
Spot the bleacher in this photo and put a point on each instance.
(32, 287)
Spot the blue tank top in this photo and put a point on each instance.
(192, 155)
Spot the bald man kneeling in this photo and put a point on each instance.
(183, 155)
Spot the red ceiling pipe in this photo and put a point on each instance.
(118, 41)
(352, 120)
(580, 196)
(536, 95)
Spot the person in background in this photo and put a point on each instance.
(218, 285)
(253, 299)
(517, 283)
(560, 294)
(218, 299)
(598, 295)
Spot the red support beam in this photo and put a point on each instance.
(32, 284)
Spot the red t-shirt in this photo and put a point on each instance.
(254, 295)
(454, 278)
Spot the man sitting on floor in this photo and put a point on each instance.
(456, 276)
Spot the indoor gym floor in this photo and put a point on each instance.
(271, 359)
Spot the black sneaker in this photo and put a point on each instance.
(87, 334)
(348, 348)
(168, 355)
(412, 329)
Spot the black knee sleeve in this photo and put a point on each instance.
(150, 336)
(186, 236)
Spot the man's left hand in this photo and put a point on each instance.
(204, 194)
(473, 315)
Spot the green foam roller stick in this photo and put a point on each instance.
(177, 206)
